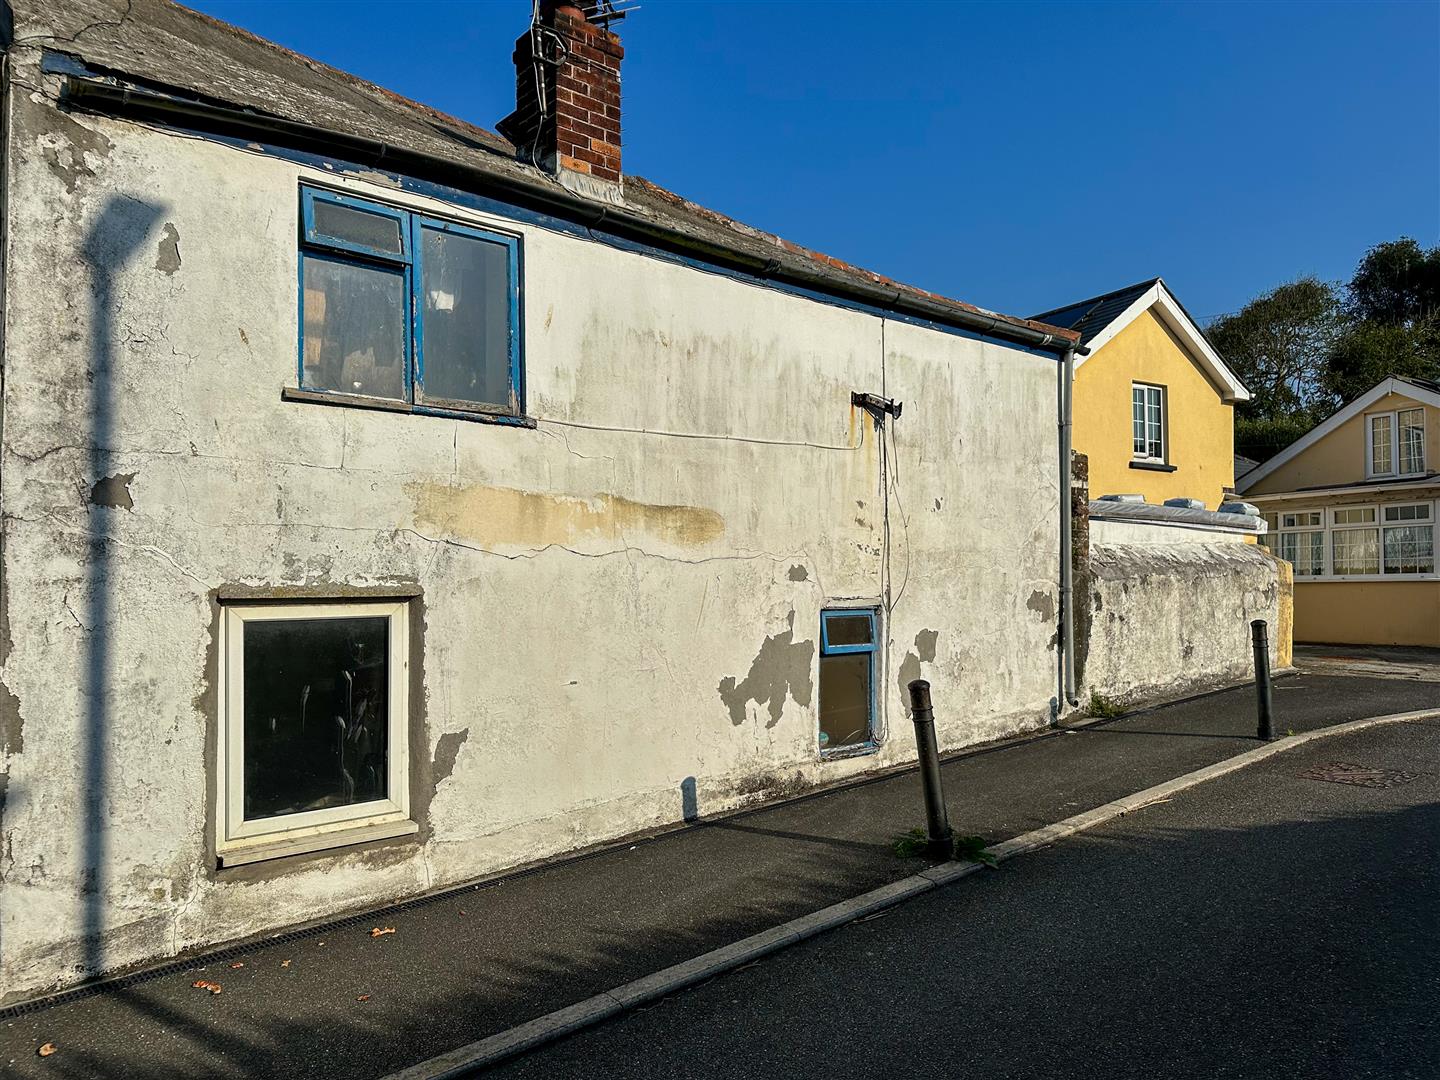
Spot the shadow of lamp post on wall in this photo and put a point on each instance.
(122, 228)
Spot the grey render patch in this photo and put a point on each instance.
(67, 160)
(782, 666)
(799, 573)
(167, 260)
(1043, 604)
(446, 751)
(113, 491)
(925, 641)
(910, 670)
(12, 724)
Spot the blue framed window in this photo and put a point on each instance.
(399, 306)
(847, 679)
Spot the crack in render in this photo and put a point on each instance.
(164, 556)
(628, 551)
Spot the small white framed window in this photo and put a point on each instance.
(313, 740)
(1353, 515)
(1305, 552)
(1409, 546)
(1395, 443)
(1147, 422)
(1354, 541)
(1269, 538)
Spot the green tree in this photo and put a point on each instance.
(1396, 284)
(1392, 320)
(1265, 436)
(1278, 344)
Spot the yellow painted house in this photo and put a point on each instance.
(1154, 405)
(1352, 506)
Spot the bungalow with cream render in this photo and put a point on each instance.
(1351, 505)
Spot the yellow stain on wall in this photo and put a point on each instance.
(1200, 425)
(511, 517)
(1285, 616)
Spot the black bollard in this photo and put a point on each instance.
(1265, 729)
(939, 844)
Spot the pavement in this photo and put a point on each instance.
(477, 961)
(1385, 661)
(1266, 924)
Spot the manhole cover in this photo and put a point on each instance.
(1341, 772)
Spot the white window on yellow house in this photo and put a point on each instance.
(1302, 542)
(1382, 456)
(1412, 440)
(1354, 541)
(1395, 443)
(1409, 546)
(1270, 538)
(1147, 418)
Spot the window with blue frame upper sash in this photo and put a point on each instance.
(400, 306)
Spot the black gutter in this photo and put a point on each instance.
(114, 99)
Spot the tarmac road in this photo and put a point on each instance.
(1261, 925)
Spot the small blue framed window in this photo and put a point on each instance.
(848, 645)
(399, 306)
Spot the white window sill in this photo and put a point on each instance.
(281, 846)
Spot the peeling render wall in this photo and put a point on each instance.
(618, 610)
(1173, 619)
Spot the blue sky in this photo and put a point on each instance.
(1015, 155)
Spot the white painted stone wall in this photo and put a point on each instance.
(697, 489)
(1171, 619)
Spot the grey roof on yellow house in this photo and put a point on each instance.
(159, 61)
(1092, 316)
(1099, 318)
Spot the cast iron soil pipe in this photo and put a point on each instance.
(1067, 584)
(1265, 727)
(939, 843)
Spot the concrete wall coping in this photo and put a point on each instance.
(1176, 517)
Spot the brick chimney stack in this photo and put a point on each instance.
(567, 94)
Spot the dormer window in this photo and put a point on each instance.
(1395, 443)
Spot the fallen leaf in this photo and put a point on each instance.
(363, 997)
(237, 964)
(46, 1050)
(204, 984)
(378, 932)
(284, 963)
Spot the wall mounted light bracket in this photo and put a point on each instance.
(877, 406)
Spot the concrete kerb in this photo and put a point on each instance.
(555, 1025)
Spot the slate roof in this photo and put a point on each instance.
(169, 47)
(1090, 317)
